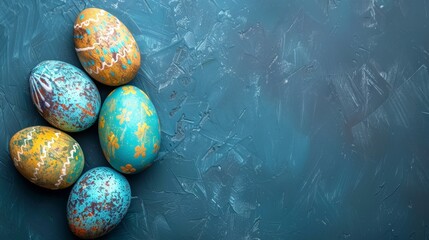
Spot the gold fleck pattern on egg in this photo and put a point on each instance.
(155, 148)
(129, 90)
(112, 143)
(146, 109)
(128, 168)
(102, 122)
(140, 151)
(141, 130)
(105, 47)
(124, 116)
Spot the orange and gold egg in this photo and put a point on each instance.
(105, 47)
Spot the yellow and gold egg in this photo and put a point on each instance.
(46, 156)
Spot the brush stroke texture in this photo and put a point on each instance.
(280, 119)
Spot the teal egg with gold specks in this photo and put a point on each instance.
(129, 130)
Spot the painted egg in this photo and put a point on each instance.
(105, 47)
(98, 202)
(64, 95)
(47, 157)
(129, 130)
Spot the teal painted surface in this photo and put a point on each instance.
(280, 119)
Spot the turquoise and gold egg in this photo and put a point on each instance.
(106, 48)
(129, 130)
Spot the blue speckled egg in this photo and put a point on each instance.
(64, 95)
(129, 130)
(98, 202)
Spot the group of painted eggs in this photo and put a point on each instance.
(128, 125)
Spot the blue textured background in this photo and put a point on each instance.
(294, 119)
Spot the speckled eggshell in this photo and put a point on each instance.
(47, 157)
(64, 95)
(105, 47)
(98, 202)
(129, 130)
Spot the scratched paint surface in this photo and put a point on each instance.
(64, 95)
(47, 157)
(280, 119)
